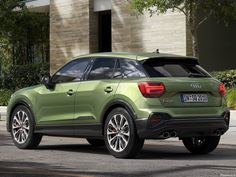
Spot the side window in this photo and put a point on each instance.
(71, 72)
(103, 68)
(131, 68)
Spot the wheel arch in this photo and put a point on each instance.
(13, 107)
(116, 104)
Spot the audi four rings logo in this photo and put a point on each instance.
(196, 85)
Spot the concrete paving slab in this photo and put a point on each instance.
(3, 111)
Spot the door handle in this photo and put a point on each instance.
(70, 92)
(108, 90)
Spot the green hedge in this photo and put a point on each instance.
(5, 96)
(227, 77)
(20, 76)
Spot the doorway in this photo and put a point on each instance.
(104, 31)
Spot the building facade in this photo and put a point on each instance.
(86, 26)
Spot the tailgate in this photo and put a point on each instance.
(189, 92)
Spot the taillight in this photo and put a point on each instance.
(151, 89)
(222, 89)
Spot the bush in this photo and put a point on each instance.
(5, 96)
(231, 98)
(228, 77)
(20, 76)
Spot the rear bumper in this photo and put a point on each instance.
(182, 127)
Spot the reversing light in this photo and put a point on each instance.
(151, 89)
(222, 89)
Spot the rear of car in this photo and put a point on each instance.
(175, 97)
(121, 99)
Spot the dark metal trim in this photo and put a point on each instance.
(83, 130)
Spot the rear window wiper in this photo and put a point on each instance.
(196, 75)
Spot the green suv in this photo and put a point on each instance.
(121, 99)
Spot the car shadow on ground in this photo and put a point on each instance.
(170, 152)
(80, 148)
(33, 169)
(149, 151)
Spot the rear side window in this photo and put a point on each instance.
(131, 68)
(174, 68)
(103, 68)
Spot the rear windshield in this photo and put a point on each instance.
(174, 68)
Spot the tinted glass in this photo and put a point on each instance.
(103, 68)
(174, 68)
(131, 68)
(71, 72)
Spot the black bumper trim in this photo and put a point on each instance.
(184, 127)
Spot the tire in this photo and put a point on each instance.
(96, 142)
(22, 129)
(201, 145)
(120, 137)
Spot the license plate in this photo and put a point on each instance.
(194, 98)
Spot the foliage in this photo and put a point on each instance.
(227, 77)
(20, 76)
(24, 35)
(30, 38)
(5, 96)
(222, 10)
(231, 98)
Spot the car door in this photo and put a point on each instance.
(56, 106)
(96, 91)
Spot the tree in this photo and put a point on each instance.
(10, 10)
(24, 35)
(196, 11)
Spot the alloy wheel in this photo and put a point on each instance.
(20, 127)
(118, 132)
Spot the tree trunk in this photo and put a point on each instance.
(192, 23)
(195, 46)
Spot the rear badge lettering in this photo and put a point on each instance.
(196, 85)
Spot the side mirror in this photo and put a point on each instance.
(46, 80)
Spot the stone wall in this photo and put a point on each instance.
(93, 29)
(74, 30)
(69, 30)
(144, 33)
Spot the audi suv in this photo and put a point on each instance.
(121, 99)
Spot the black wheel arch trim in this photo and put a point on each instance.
(116, 103)
(13, 107)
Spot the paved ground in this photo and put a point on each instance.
(74, 157)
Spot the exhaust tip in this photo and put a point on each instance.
(222, 132)
(173, 134)
(166, 134)
(218, 132)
